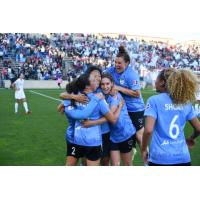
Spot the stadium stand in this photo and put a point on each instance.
(49, 56)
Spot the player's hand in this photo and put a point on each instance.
(121, 103)
(81, 98)
(114, 90)
(190, 142)
(61, 108)
(87, 123)
(145, 156)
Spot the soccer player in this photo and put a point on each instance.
(59, 81)
(128, 84)
(72, 114)
(166, 115)
(95, 72)
(89, 140)
(122, 133)
(19, 94)
(105, 129)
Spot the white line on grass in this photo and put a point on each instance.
(45, 95)
(150, 91)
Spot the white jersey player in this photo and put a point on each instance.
(19, 94)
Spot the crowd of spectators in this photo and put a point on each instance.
(42, 56)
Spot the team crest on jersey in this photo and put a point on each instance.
(147, 106)
(121, 81)
(135, 82)
(70, 108)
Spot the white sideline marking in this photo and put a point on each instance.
(45, 95)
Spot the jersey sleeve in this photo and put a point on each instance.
(133, 80)
(83, 113)
(191, 114)
(66, 103)
(104, 108)
(151, 108)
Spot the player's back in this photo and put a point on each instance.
(168, 141)
(90, 136)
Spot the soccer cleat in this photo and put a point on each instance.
(29, 112)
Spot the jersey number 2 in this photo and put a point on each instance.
(173, 126)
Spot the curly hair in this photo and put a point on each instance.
(182, 85)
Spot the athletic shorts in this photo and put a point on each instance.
(180, 164)
(125, 146)
(19, 94)
(137, 119)
(79, 151)
(106, 145)
(74, 150)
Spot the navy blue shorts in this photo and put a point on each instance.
(125, 146)
(137, 119)
(78, 151)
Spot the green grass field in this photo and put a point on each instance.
(38, 139)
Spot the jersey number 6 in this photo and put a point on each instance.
(173, 126)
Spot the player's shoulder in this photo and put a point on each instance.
(130, 72)
(159, 98)
(109, 70)
(155, 97)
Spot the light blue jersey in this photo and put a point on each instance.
(128, 79)
(91, 136)
(123, 128)
(72, 113)
(168, 145)
(69, 135)
(76, 113)
(105, 126)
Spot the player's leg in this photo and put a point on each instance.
(115, 157)
(114, 154)
(17, 101)
(73, 153)
(126, 150)
(71, 161)
(137, 119)
(105, 161)
(25, 106)
(127, 158)
(139, 135)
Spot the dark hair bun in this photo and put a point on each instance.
(122, 49)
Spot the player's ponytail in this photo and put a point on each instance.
(123, 53)
(182, 85)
